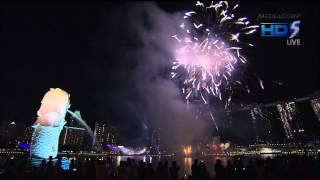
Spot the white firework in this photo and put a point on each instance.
(210, 42)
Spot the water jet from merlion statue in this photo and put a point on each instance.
(49, 124)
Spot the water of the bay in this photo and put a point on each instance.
(185, 163)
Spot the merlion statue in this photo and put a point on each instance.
(50, 122)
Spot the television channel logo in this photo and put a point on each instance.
(276, 29)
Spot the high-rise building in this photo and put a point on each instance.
(254, 113)
(155, 142)
(225, 125)
(261, 123)
(290, 119)
(104, 134)
(27, 135)
(10, 133)
(24, 139)
(284, 120)
(73, 134)
(315, 103)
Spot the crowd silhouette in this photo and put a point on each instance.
(291, 167)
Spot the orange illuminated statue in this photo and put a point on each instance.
(50, 122)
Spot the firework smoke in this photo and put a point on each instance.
(140, 94)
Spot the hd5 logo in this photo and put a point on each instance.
(282, 30)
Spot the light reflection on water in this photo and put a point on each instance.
(187, 166)
(185, 163)
(146, 159)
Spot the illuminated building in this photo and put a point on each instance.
(229, 120)
(27, 135)
(253, 113)
(261, 123)
(290, 119)
(297, 126)
(285, 120)
(11, 133)
(7, 131)
(73, 135)
(315, 103)
(48, 126)
(155, 142)
(104, 134)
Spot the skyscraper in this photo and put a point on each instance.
(254, 112)
(27, 135)
(155, 142)
(290, 119)
(73, 134)
(10, 133)
(261, 123)
(104, 134)
(315, 103)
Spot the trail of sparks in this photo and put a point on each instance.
(214, 121)
(209, 50)
(261, 84)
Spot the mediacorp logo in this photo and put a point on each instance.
(282, 29)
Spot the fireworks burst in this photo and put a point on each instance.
(210, 41)
(187, 150)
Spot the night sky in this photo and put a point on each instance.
(112, 59)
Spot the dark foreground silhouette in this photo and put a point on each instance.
(279, 168)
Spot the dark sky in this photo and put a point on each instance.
(90, 50)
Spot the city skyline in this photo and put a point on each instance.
(259, 122)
